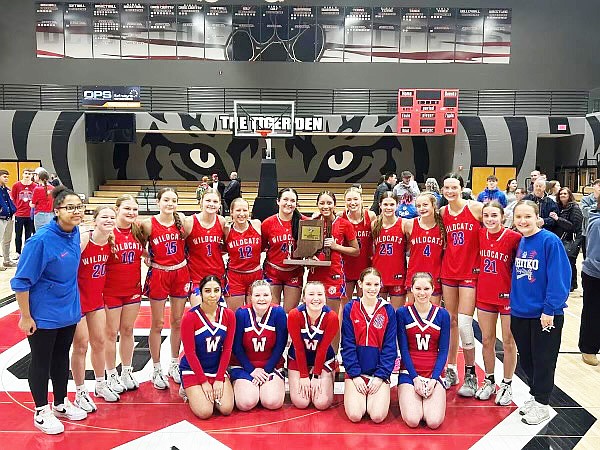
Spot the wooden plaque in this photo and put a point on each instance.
(311, 234)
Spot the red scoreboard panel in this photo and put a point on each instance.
(427, 111)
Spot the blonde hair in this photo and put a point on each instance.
(439, 221)
(136, 230)
(259, 283)
(312, 283)
(422, 276)
(111, 237)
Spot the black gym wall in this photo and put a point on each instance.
(554, 47)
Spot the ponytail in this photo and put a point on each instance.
(379, 222)
(178, 224)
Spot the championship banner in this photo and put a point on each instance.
(274, 34)
(440, 39)
(469, 36)
(386, 34)
(217, 31)
(190, 31)
(358, 27)
(330, 21)
(79, 29)
(303, 33)
(244, 42)
(496, 36)
(111, 96)
(162, 32)
(106, 42)
(413, 37)
(134, 31)
(49, 36)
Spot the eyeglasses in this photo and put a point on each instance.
(73, 208)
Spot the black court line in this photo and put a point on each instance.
(7, 300)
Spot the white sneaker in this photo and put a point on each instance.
(486, 390)
(523, 410)
(174, 372)
(69, 411)
(128, 380)
(103, 390)
(84, 401)
(182, 394)
(469, 386)
(47, 422)
(504, 395)
(537, 414)
(451, 377)
(115, 384)
(158, 379)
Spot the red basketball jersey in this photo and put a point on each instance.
(123, 270)
(497, 252)
(426, 248)
(205, 250)
(353, 266)
(277, 239)
(389, 254)
(91, 274)
(461, 257)
(243, 249)
(165, 245)
(343, 232)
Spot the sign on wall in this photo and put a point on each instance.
(111, 96)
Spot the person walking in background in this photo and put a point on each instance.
(491, 192)
(388, 183)
(7, 211)
(41, 200)
(232, 191)
(588, 203)
(589, 333)
(21, 194)
(408, 185)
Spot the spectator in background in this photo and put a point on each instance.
(201, 188)
(508, 211)
(534, 176)
(41, 200)
(491, 192)
(232, 191)
(217, 185)
(7, 211)
(387, 184)
(21, 194)
(407, 186)
(545, 204)
(552, 188)
(467, 194)
(406, 207)
(431, 185)
(511, 187)
(54, 180)
(588, 203)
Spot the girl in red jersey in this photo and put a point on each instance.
(96, 249)
(427, 238)
(389, 254)
(204, 242)
(342, 242)
(460, 266)
(207, 332)
(311, 358)
(168, 277)
(361, 219)
(279, 233)
(243, 243)
(497, 248)
(123, 293)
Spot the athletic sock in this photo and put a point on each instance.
(81, 389)
(453, 367)
(99, 381)
(175, 361)
(469, 370)
(505, 381)
(110, 372)
(157, 365)
(127, 369)
(490, 376)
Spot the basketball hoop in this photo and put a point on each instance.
(265, 134)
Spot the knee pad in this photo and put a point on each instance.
(465, 330)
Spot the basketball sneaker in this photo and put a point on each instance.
(486, 390)
(103, 390)
(174, 372)
(504, 395)
(69, 411)
(83, 401)
(115, 384)
(523, 410)
(158, 379)
(451, 377)
(45, 421)
(469, 386)
(128, 380)
(537, 414)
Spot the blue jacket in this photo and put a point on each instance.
(48, 270)
(7, 207)
(490, 195)
(546, 205)
(541, 277)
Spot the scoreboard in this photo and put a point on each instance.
(427, 111)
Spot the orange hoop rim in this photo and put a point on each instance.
(264, 132)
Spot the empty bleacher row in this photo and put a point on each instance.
(145, 192)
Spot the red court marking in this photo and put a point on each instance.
(11, 334)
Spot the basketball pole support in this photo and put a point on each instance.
(265, 204)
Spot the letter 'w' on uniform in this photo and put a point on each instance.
(259, 345)
(422, 342)
(310, 344)
(212, 343)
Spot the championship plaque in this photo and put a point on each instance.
(311, 235)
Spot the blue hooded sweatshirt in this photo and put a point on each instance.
(541, 277)
(48, 270)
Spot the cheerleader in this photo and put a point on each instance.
(361, 219)
(497, 249)
(389, 255)
(260, 338)
(423, 337)
(368, 351)
(311, 359)
(168, 277)
(279, 233)
(96, 248)
(243, 243)
(427, 238)
(342, 242)
(460, 266)
(207, 333)
(123, 293)
(204, 242)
